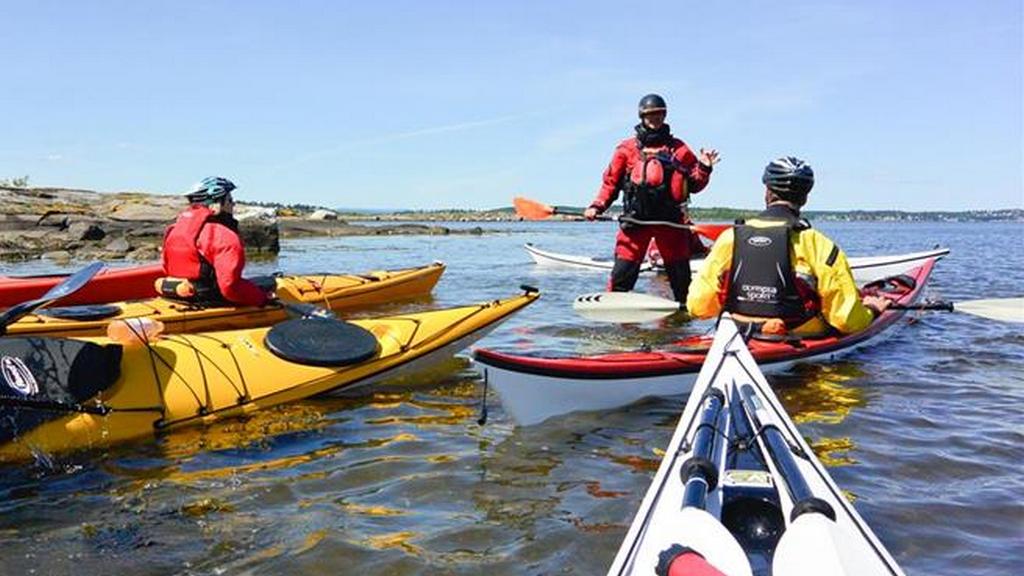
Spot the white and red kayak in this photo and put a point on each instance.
(865, 268)
(534, 389)
(740, 492)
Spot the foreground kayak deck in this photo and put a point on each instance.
(336, 292)
(534, 389)
(740, 487)
(865, 268)
(110, 285)
(182, 380)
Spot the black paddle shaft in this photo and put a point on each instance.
(626, 219)
(945, 306)
(699, 474)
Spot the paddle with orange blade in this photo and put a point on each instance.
(533, 210)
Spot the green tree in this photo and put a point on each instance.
(15, 182)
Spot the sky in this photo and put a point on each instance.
(913, 105)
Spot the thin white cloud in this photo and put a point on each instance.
(396, 136)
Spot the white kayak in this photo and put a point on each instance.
(865, 268)
(740, 492)
(554, 259)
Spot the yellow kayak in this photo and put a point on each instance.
(337, 292)
(59, 394)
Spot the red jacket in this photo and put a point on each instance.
(196, 236)
(627, 155)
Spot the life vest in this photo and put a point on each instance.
(190, 276)
(762, 281)
(647, 186)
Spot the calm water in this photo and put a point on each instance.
(926, 432)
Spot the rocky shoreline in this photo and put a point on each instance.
(62, 224)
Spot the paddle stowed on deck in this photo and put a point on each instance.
(740, 491)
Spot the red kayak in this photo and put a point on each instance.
(533, 389)
(110, 285)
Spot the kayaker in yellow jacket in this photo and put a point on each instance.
(778, 273)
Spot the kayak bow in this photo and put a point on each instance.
(740, 491)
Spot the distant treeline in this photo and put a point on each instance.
(1006, 215)
(300, 208)
(727, 214)
(701, 214)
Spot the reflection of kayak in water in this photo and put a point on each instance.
(740, 491)
(534, 388)
(865, 268)
(817, 393)
(70, 394)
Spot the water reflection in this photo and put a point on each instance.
(823, 394)
(819, 393)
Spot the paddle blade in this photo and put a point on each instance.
(711, 231)
(531, 209)
(1004, 309)
(814, 545)
(73, 283)
(623, 307)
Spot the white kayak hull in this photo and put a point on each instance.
(531, 399)
(751, 468)
(865, 268)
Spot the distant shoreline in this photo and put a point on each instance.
(699, 214)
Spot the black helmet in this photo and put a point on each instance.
(652, 103)
(789, 177)
(212, 189)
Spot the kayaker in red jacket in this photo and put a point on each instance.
(656, 173)
(203, 255)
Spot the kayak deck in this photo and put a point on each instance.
(333, 291)
(188, 379)
(741, 487)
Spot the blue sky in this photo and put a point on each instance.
(905, 105)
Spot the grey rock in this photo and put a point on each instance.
(152, 208)
(260, 236)
(53, 218)
(118, 246)
(145, 253)
(322, 214)
(156, 230)
(246, 213)
(57, 256)
(85, 231)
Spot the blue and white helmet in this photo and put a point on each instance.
(212, 189)
(789, 177)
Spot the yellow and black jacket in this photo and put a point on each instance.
(814, 258)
